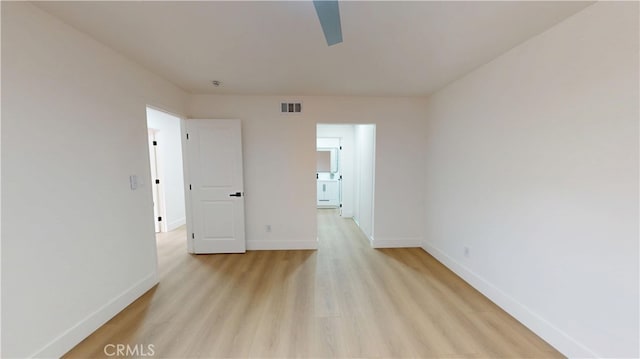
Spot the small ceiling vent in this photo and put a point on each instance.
(290, 107)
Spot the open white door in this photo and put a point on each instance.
(215, 186)
(155, 186)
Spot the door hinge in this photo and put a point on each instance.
(340, 205)
(193, 236)
(159, 219)
(187, 136)
(157, 181)
(340, 147)
(189, 187)
(155, 143)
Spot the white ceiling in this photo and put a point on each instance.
(389, 48)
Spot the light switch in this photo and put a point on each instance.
(133, 181)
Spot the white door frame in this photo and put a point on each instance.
(187, 181)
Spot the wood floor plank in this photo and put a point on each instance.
(344, 300)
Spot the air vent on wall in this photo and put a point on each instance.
(290, 107)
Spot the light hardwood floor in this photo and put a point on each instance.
(343, 300)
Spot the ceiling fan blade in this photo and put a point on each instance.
(329, 15)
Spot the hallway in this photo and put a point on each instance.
(343, 300)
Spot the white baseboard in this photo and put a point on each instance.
(175, 224)
(543, 328)
(74, 335)
(397, 242)
(260, 245)
(355, 220)
(347, 214)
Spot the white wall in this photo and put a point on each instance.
(279, 163)
(327, 142)
(169, 157)
(1, 187)
(77, 243)
(532, 162)
(345, 134)
(365, 137)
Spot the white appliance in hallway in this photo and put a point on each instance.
(214, 186)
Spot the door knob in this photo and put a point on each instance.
(237, 194)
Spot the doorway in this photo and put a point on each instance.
(165, 157)
(329, 173)
(345, 173)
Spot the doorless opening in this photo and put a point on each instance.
(345, 172)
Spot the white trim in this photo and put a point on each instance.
(258, 245)
(355, 220)
(187, 183)
(397, 242)
(85, 327)
(177, 223)
(347, 214)
(328, 206)
(373, 182)
(539, 325)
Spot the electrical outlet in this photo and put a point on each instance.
(467, 251)
(267, 228)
